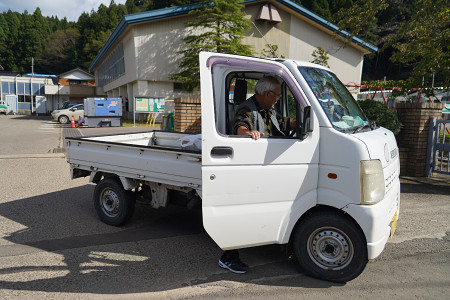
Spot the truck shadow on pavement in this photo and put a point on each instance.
(66, 249)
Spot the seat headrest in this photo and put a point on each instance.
(240, 91)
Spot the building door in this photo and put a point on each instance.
(41, 105)
(12, 104)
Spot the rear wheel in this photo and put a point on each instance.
(330, 246)
(63, 119)
(113, 204)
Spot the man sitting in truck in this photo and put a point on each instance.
(257, 117)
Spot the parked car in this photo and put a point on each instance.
(3, 107)
(64, 116)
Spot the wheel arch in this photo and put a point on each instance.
(127, 183)
(97, 176)
(321, 209)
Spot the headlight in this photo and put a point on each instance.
(372, 181)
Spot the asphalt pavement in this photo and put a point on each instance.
(52, 244)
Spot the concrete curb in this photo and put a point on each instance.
(37, 155)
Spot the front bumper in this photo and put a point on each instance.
(378, 221)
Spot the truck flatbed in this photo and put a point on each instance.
(153, 156)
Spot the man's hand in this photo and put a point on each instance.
(254, 134)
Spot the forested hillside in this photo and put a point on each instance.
(58, 45)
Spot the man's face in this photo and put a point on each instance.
(271, 97)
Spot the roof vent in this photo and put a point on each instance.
(269, 13)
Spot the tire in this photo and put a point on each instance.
(63, 119)
(331, 247)
(113, 204)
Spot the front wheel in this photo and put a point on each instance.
(330, 246)
(113, 204)
(63, 119)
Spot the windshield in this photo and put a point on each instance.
(334, 98)
(66, 105)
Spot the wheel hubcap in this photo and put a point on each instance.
(109, 202)
(330, 248)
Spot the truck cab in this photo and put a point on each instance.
(331, 187)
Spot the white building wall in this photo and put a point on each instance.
(345, 62)
(157, 45)
(262, 33)
(77, 75)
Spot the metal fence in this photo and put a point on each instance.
(438, 151)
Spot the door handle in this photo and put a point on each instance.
(222, 151)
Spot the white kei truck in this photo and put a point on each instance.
(330, 189)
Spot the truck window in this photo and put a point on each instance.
(241, 86)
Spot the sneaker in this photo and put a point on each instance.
(235, 266)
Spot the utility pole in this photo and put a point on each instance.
(31, 84)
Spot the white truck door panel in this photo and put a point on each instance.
(249, 186)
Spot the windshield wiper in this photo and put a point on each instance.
(372, 126)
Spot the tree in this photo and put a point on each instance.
(4, 30)
(322, 8)
(424, 42)
(131, 6)
(361, 18)
(216, 26)
(321, 57)
(271, 51)
(325, 8)
(378, 112)
(157, 4)
(10, 58)
(59, 52)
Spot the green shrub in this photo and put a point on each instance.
(383, 116)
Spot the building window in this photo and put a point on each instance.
(77, 82)
(23, 88)
(24, 99)
(20, 88)
(113, 67)
(178, 87)
(8, 87)
(5, 87)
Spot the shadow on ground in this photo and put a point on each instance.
(438, 184)
(158, 250)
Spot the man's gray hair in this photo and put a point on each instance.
(267, 83)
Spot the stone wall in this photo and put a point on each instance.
(187, 116)
(413, 137)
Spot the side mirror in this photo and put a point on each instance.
(306, 128)
(73, 109)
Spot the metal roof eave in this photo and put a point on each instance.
(185, 9)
